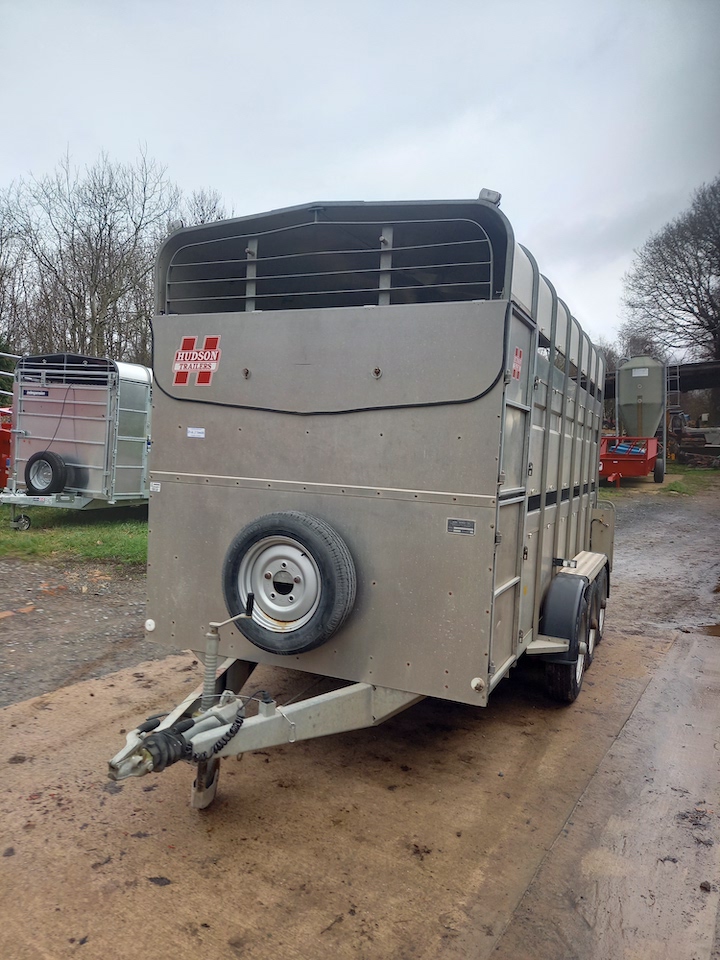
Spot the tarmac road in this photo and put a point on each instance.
(527, 830)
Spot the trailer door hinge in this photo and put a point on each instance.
(525, 553)
(507, 378)
(491, 669)
(559, 562)
(498, 537)
(501, 477)
(530, 469)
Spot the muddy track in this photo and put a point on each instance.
(525, 830)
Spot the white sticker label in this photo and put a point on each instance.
(641, 372)
(198, 432)
(155, 487)
(464, 527)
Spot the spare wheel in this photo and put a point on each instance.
(302, 576)
(45, 473)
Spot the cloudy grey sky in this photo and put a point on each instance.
(595, 120)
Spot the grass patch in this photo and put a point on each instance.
(694, 479)
(687, 481)
(112, 535)
(677, 486)
(606, 490)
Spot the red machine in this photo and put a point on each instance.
(5, 436)
(631, 457)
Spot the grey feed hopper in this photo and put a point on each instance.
(641, 395)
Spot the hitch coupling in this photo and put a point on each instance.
(150, 750)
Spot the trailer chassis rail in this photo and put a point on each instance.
(182, 735)
(206, 727)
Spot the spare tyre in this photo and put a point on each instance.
(45, 473)
(302, 576)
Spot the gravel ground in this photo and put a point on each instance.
(63, 623)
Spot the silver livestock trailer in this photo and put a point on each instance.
(375, 459)
(81, 434)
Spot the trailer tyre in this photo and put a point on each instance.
(566, 614)
(45, 473)
(659, 471)
(601, 585)
(302, 577)
(592, 599)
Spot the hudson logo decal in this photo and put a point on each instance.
(202, 361)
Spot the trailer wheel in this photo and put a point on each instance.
(564, 680)
(22, 522)
(659, 471)
(302, 577)
(45, 473)
(566, 614)
(594, 609)
(601, 585)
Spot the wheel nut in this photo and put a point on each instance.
(296, 580)
(268, 576)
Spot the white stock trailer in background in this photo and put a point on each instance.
(375, 459)
(81, 434)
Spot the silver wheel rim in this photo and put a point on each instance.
(595, 625)
(579, 668)
(285, 580)
(601, 619)
(41, 474)
(591, 641)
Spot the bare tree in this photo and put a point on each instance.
(12, 280)
(87, 246)
(610, 352)
(77, 251)
(204, 206)
(672, 292)
(635, 340)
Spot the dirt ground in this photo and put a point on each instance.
(526, 830)
(60, 624)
